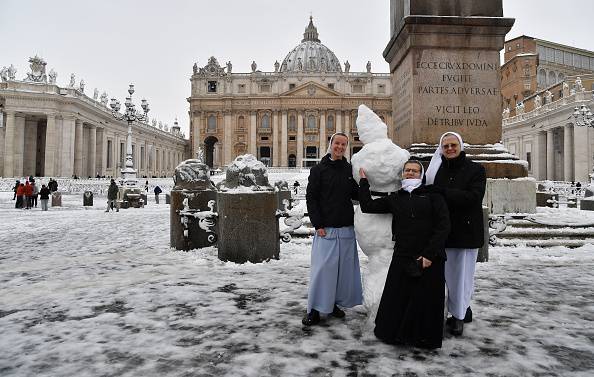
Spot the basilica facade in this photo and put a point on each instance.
(284, 116)
(55, 130)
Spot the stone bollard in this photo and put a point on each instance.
(56, 199)
(88, 199)
(193, 222)
(247, 207)
(483, 252)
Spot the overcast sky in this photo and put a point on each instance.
(154, 43)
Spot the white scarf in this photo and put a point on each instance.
(411, 184)
(436, 159)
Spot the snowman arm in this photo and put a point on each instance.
(440, 230)
(369, 205)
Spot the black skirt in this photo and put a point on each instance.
(411, 308)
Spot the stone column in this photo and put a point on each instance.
(253, 141)
(92, 168)
(2, 142)
(50, 146)
(299, 139)
(550, 156)
(101, 160)
(347, 131)
(68, 147)
(9, 144)
(540, 156)
(228, 135)
(322, 134)
(19, 145)
(284, 139)
(30, 148)
(582, 156)
(338, 121)
(275, 155)
(78, 150)
(568, 153)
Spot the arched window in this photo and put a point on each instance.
(311, 122)
(266, 121)
(330, 123)
(212, 123)
(241, 122)
(292, 123)
(552, 78)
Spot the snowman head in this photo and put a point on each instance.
(369, 126)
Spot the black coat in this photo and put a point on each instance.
(462, 183)
(330, 189)
(44, 193)
(420, 221)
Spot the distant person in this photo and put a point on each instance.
(157, 192)
(19, 196)
(296, 187)
(112, 197)
(28, 193)
(44, 194)
(35, 194)
(16, 186)
(146, 186)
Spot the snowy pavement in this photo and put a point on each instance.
(89, 293)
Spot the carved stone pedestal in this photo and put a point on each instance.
(249, 227)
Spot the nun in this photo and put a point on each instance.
(335, 278)
(462, 183)
(411, 308)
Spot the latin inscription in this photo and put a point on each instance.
(450, 81)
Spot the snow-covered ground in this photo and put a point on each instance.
(89, 293)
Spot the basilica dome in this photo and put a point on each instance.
(311, 55)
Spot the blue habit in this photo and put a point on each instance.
(335, 276)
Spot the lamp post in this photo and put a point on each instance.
(583, 118)
(129, 173)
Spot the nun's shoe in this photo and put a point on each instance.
(468, 315)
(457, 327)
(311, 318)
(337, 312)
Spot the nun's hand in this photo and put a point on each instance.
(321, 232)
(362, 173)
(425, 262)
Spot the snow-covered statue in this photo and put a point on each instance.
(52, 76)
(505, 113)
(104, 99)
(548, 97)
(72, 81)
(4, 74)
(520, 108)
(246, 171)
(12, 73)
(229, 67)
(276, 66)
(565, 89)
(254, 66)
(299, 64)
(160, 125)
(154, 123)
(578, 86)
(382, 161)
(347, 67)
(368, 66)
(81, 86)
(95, 94)
(537, 102)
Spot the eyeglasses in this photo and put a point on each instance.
(448, 146)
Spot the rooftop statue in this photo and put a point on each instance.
(347, 67)
(72, 81)
(276, 66)
(229, 67)
(254, 66)
(37, 73)
(95, 94)
(537, 102)
(52, 76)
(104, 99)
(81, 86)
(368, 66)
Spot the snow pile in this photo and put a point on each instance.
(245, 173)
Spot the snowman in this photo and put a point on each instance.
(382, 161)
